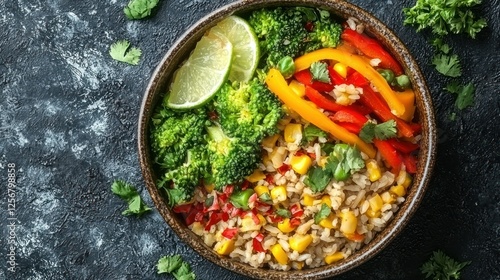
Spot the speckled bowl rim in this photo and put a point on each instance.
(186, 42)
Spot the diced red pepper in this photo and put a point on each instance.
(269, 178)
(215, 204)
(252, 200)
(322, 101)
(295, 222)
(257, 243)
(198, 217)
(357, 79)
(245, 185)
(312, 155)
(356, 237)
(404, 147)
(283, 169)
(389, 154)
(228, 189)
(410, 163)
(213, 219)
(182, 208)
(349, 116)
(305, 77)
(255, 218)
(229, 233)
(262, 207)
(296, 210)
(372, 48)
(275, 218)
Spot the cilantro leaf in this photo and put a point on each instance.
(282, 212)
(320, 72)
(465, 94)
(184, 272)
(317, 179)
(323, 213)
(312, 131)
(440, 45)
(380, 131)
(167, 264)
(128, 193)
(120, 51)
(448, 65)
(440, 266)
(138, 9)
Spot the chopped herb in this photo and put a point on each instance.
(311, 132)
(209, 201)
(317, 179)
(465, 94)
(442, 267)
(184, 272)
(440, 45)
(453, 116)
(266, 198)
(448, 65)
(282, 212)
(120, 51)
(327, 148)
(323, 213)
(138, 9)
(129, 194)
(180, 269)
(380, 131)
(342, 160)
(319, 72)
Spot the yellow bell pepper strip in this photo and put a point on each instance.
(357, 63)
(278, 85)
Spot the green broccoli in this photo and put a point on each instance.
(231, 159)
(325, 32)
(248, 110)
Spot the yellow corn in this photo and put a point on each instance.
(301, 164)
(373, 170)
(326, 200)
(299, 265)
(293, 132)
(376, 202)
(285, 226)
(299, 242)
(209, 188)
(335, 257)
(278, 193)
(398, 190)
(341, 69)
(248, 224)
(256, 176)
(349, 222)
(297, 88)
(387, 197)
(279, 254)
(270, 141)
(261, 219)
(225, 247)
(327, 222)
(261, 189)
(372, 214)
(308, 200)
(407, 181)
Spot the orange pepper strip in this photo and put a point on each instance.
(278, 85)
(357, 63)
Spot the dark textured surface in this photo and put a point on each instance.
(68, 122)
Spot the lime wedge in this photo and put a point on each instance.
(203, 73)
(245, 47)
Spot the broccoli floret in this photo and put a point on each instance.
(231, 159)
(325, 32)
(248, 110)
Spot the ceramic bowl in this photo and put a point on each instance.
(181, 49)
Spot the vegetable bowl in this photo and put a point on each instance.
(287, 139)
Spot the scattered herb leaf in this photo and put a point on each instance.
(380, 131)
(448, 65)
(319, 72)
(324, 212)
(311, 132)
(442, 267)
(317, 179)
(282, 212)
(465, 94)
(128, 193)
(138, 9)
(180, 269)
(120, 51)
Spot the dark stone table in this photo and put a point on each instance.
(68, 116)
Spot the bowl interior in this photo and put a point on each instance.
(180, 50)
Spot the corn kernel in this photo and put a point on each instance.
(373, 170)
(341, 69)
(407, 181)
(279, 254)
(326, 200)
(270, 141)
(261, 189)
(225, 247)
(372, 214)
(278, 193)
(299, 242)
(256, 176)
(308, 200)
(327, 222)
(335, 257)
(261, 219)
(349, 222)
(292, 132)
(209, 188)
(387, 197)
(301, 164)
(297, 88)
(376, 202)
(248, 224)
(299, 265)
(285, 226)
(398, 190)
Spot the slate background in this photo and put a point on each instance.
(68, 116)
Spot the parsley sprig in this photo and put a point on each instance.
(442, 267)
(381, 131)
(174, 264)
(128, 193)
(122, 51)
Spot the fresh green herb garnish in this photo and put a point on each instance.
(448, 65)
(324, 212)
(266, 198)
(317, 179)
(380, 131)
(138, 9)
(441, 46)
(319, 72)
(128, 193)
(180, 269)
(465, 94)
(120, 51)
(442, 267)
(282, 212)
(444, 17)
(311, 132)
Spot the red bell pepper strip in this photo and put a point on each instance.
(195, 214)
(182, 208)
(296, 210)
(357, 79)
(321, 101)
(351, 127)
(389, 154)
(335, 76)
(257, 243)
(372, 48)
(349, 116)
(229, 233)
(410, 163)
(295, 222)
(380, 108)
(404, 147)
(305, 77)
